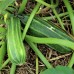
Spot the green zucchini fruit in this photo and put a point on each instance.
(15, 47)
(42, 28)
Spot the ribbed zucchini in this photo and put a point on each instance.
(16, 49)
(41, 28)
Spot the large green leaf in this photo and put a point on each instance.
(4, 4)
(59, 70)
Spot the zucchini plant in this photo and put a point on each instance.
(35, 31)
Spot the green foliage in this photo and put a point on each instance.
(50, 40)
(39, 32)
(4, 4)
(59, 70)
(22, 6)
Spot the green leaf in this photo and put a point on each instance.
(59, 70)
(2, 44)
(2, 52)
(2, 32)
(4, 4)
(2, 29)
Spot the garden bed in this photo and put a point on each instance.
(60, 17)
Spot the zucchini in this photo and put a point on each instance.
(42, 28)
(15, 47)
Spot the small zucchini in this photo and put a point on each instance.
(15, 47)
(42, 28)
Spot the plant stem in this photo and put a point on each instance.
(55, 5)
(60, 15)
(70, 11)
(13, 68)
(56, 14)
(40, 55)
(44, 3)
(30, 19)
(71, 61)
(5, 63)
(58, 41)
(39, 11)
(22, 6)
(37, 65)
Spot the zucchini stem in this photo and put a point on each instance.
(56, 14)
(44, 3)
(5, 63)
(13, 68)
(40, 55)
(37, 64)
(71, 14)
(48, 5)
(30, 19)
(51, 17)
(22, 6)
(71, 62)
(51, 40)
